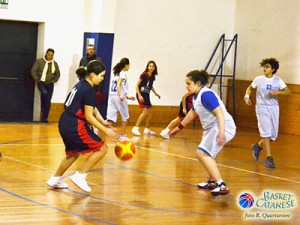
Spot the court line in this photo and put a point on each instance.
(162, 152)
(132, 205)
(162, 210)
(26, 163)
(56, 209)
(27, 139)
(230, 167)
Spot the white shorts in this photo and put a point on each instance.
(114, 106)
(268, 121)
(209, 143)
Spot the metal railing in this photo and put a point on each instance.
(224, 51)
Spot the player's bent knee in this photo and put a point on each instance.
(104, 149)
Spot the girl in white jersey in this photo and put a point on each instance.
(268, 87)
(219, 128)
(117, 101)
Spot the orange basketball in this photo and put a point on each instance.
(124, 150)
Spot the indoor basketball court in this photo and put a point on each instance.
(157, 186)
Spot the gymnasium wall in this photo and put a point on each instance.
(268, 28)
(245, 115)
(179, 35)
(61, 26)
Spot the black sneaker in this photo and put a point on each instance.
(269, 162)
(221, 189)
(209, 184)
(256, 151)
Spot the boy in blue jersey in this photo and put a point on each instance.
(268, 87)
(219, 128)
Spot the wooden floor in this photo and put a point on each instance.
(158, 186)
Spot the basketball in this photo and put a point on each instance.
(124, 150)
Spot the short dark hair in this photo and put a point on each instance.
(273, 62)
(50, 50)
(198, 75)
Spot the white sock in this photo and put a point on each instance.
(167, 130)
(219, 182)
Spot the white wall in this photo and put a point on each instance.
(178, 35)
(268, 28)
(62, 25)
(61, 28)
(99, 15)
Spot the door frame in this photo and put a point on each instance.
(40, 51)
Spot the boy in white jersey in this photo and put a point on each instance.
(267, 86)
(219, 128)
(117, 101)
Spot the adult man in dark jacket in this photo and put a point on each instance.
(90, 55)
(45, 72)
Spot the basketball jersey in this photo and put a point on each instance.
(188, 105)
(114, 82)
(146, 83)
(204, 103)
(189, 101)
(82, 94)
(73, 126)
(263, 86)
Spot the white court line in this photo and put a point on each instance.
(166, 153)
(30, 164)
(230, 167)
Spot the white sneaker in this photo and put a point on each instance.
(124, 138)
(135, 131)
(56, 182)
(221, 189)
(150, 132)
(164, 134)
(80, 180)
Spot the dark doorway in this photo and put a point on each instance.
(18, 44)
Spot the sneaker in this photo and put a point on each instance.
(150, 132)
(256, 151)
(124, 138)
(209, 184)
(269, 162)
(164, 134)
(80, 180)
(135, 131)
(56, 182)
(221, 189)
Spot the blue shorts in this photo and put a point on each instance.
(147, 102)
(77, 135)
